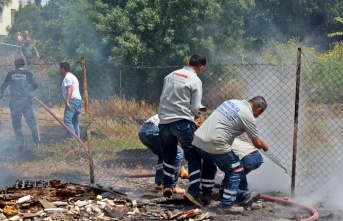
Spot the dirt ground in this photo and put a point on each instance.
(140, 189)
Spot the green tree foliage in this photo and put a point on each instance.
(279, 20)
(321, 73)
(337, 33)
(326, 80)
(146, 31)
(61, 29)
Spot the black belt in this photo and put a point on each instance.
(253, 153)
(149, 123)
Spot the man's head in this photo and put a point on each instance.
(197, 62)
(27, 40)
(64, 68)
(258, 105)
(19, 63)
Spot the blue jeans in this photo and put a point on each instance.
(250, 162)
(149, 136)
(71, 117)
(170, 134)
(23, 106)
(228, 163)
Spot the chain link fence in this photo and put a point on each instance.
(120, 98)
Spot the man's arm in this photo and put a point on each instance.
(33, 82)
(69, 93)
(259, 143)
(37, 54)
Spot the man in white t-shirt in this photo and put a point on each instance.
(213, 143)
(72, 99)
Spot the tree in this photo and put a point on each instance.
(147, 31)
(61, 29)
(279, 20)
(338, 33)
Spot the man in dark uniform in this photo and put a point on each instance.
(21, 82)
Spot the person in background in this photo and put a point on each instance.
(72, 99)
(179, 104)
(149, 136)
(29, 52)
(26, 34)
(251, 159)
(19, 39)
(21, 82)
(213, 143)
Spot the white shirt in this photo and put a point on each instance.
(70, 79)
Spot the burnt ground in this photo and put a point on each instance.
(263, 210)
(140, 189)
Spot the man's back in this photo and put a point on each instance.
(181, 96)
(21, 83)
(229, 120)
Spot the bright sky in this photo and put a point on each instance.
(44, 2)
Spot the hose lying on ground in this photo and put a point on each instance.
(314, 213)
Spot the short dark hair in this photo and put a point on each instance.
(65, 65)
(259, 102)
(19, 62)
(197, 60)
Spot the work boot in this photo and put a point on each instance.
(168, 192)
(249, 199)
(158, 187)
(177, 189)
(195, 200)
(222, 210)
(206, 200)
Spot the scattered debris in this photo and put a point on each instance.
(39, 200)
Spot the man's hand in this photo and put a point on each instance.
(259, 143)
(197, 115)
(67, 107)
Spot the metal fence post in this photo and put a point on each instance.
(296, 114)
(85, 101)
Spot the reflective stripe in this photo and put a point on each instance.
(168, 174)
(168, 165)
(194, 181)
(195, 172)
(230, 192)
(208, 185)
(159, 166)
(228, 196)
(207, 180)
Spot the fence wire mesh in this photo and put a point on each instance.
(121, 98)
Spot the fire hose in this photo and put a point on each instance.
(315, 214)
(63, 124)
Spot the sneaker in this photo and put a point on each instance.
(168, 192)
(192, 199)
(250, 199)
(177, 189)
(230, 210)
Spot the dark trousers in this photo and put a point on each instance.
(23, 107)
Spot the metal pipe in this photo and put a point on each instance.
(10, 45)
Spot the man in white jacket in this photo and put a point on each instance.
(180, 102)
